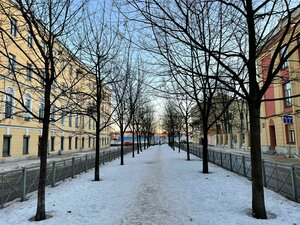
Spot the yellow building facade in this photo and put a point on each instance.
(21, 130)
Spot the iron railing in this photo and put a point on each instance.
(281, 178)
(19, 183)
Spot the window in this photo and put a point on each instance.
(52, 115)
(43, 46)
(77, 120)
(13, 26)
(90, 142)
(29, 40)
(291, 136)
(78, 74)
(29, 72)
(9, 103)
(11, 63)
(63, 66)
(25, 144)
(70, 143)
(42, 77)
(28, 105)
(62, 119)
(41, 110)
(70, 120)
(82, 121)
(6, 145)
(62, 142)
(82, 142)
(283, 53)
(70, 70)
(90, 122)
(64, 87)
(287, 94)
(76, 142)
(52, 143)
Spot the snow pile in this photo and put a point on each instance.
(158, 187)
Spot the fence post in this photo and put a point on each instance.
(23, 184)
(264, 173)
(244, 167)
(221, 159)
(276, 167)
(294, 183)
(2, 190)
(53, 174)
(230, 160)
(73, 164)
(85, 163)
(103, 158)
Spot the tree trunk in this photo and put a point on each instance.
(173, 140)
(97, 152)
(140, 137)
(179, 145)
(133, 144)
(205, 150)
(258, 202)
(41, 211)
(144, 141)
(122, 148)
(148, 140)
(138, 142)
(187, 140)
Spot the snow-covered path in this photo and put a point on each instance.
(158, 187)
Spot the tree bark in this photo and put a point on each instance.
(133, 144)
(122, 148)
(187, 140)
(97, 152)
(205, 150)
(41, 210)
(140, 137)
(179, 143)
(258, 202)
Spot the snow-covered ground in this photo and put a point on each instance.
(158, 187)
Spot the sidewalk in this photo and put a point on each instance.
(7, 164)
(282, 159)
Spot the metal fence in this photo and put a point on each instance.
(281, 178)
(18, 184)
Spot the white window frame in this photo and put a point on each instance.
(26, 114)
(9, 91)
(11, 63)
(13, 26)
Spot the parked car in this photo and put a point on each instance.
(127, 143)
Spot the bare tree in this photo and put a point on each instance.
(99, 41)
(171, 122)
(184, 105)
(126, 93)
(45, 27)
